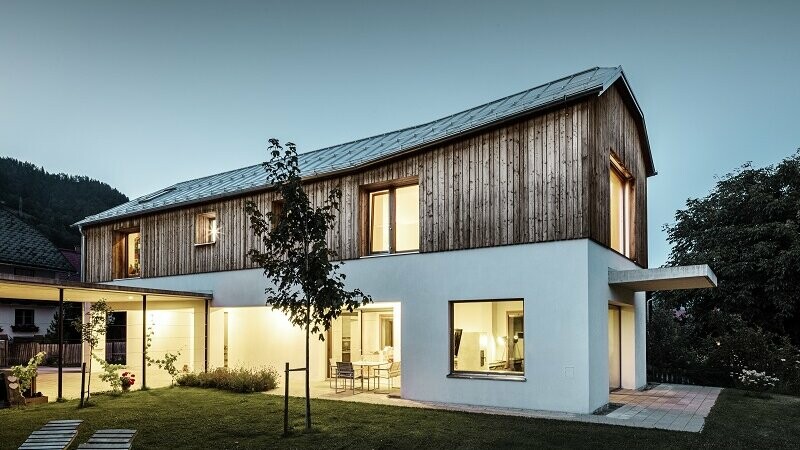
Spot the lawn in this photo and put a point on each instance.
(192, 418)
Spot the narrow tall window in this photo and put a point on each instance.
(206, 228)
(126, 254)
(394, 220)
(620, 195)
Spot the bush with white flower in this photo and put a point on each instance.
(754, 380)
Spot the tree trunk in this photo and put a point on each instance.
(89, 381)
(308, 377)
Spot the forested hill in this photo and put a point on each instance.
(53, 202)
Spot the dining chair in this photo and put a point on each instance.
(389, 373)
(345, 371)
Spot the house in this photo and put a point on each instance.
(505, 248)
(26, 252)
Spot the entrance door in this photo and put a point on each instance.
(614, 348)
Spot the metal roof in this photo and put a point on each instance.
(352, 155)
(23, 245)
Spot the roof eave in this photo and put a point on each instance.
(651, 168)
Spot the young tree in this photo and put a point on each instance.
(305, 282)
(97, 321)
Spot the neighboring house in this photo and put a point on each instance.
(26, 252)
(505, 247)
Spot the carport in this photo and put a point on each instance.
(165, 306)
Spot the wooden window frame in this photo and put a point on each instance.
(629, 194)
(276, 209)
(202, 234)
(119, 250)
(365, 195)
(479, 375)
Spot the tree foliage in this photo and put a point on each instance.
(303, 273)
(748, 230)
(50, 202)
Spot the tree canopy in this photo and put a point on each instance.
(748, 230)
(305, 282)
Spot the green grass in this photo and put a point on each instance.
(194, 418)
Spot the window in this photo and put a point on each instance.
(394, 220)
(23, 317)
(206, 230)
(620, 194)
(487, 338)
(127, 249)
(277, 210)
(117, 337)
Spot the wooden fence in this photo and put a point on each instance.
(21, 353)
(683, 376)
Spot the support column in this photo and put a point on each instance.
(205, 350)
(144, 341)
(60, 343)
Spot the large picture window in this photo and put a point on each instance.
(394, 220)
(620, 195)
(487, 338)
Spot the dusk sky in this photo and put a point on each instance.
(145, 94)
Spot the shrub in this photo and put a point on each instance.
(754, 380)
(236, 380)
(26, 372)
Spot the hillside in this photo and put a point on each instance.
(53, 202)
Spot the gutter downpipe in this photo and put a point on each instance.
(83, 254)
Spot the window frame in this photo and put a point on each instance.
(203, 235)
(628, 196)
(367, 234)
(480, 375)
(120, 262)
(32, 312)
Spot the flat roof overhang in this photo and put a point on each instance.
(16, 287)
(664, 278)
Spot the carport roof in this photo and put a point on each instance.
(17, 287)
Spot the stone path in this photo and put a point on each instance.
(665, 406)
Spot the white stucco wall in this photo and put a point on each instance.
(565, 291)
(42, 316)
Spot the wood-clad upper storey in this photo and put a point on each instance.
(543, 177)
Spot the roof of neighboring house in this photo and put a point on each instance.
(352, 155)
(23, 245)
(74, 259)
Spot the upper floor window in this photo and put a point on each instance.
(277, 210)
(621, 195)
(126, 258)
(206, 229)
(394, 220)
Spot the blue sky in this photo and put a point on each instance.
(144, 94)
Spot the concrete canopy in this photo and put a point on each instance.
(664, 278)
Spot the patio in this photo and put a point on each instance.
(672, 407)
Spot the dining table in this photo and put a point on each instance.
(368, 365)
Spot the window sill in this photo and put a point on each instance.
(383, 255)
(128, 278)
(486, 376)
(203, 244)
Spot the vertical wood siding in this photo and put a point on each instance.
(542, 178)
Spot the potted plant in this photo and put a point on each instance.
(127, 380)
